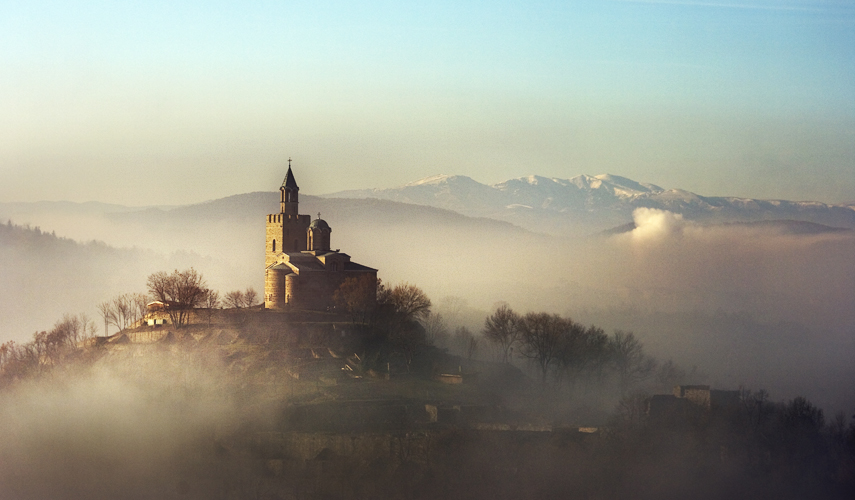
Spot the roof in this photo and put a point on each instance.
(353, 266)
(319, 224)
(290, 182)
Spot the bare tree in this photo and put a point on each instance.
(630, 362)
(410, 302)
(210, 302)
(400, 310)
(66, 335)
(180, 291)
(249, 297)
(541, 337)
(234, 299)
(358, 296)
(502, 328)
(107, 312)
(140, 303)
(584, 352)
(436, 330)
(123, 311)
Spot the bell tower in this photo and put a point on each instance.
(289, 193)
(287, 230)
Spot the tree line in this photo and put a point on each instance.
(47, 349)
(564, 350)
(180, 292)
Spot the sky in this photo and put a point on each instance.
(165, 103)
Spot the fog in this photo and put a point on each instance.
(124, 426)
(760, 305)
(749, 305)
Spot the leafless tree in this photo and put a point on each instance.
(541, 336)
(249, 297)
(123, 311)
(358, 296)
(630, 362)
(436, 330)
(234, 299)
(400, 310)
(181, 291)
(502, 328)
(108, 314)
(210, 302)
(409, 302)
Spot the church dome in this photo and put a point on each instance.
(319, 224)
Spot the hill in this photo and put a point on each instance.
(44, 276)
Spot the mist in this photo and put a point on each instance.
(762, 305)
(137, 423)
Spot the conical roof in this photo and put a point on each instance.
(290, 182)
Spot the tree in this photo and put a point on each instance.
(210, 301)
(465, 343)
(541, 337)
(249, 297)
(502, 328)
(583, 352)
(397, 318)
(234, 299)
(436, 330)
(108, 314)
(409, 302)
(180, 291)
(66, 335)
(630, 362)
(358, 296)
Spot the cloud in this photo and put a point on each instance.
(652, 223)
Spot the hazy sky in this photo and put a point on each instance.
(176, 102)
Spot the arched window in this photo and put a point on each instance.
(274, 245)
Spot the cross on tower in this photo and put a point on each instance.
(319, 215)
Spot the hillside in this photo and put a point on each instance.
(44, 276)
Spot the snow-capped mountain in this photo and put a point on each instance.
(592, 203)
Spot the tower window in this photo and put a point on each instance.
(274, 245)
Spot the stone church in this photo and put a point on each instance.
(302, 272)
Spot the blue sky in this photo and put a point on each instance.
(178, 102)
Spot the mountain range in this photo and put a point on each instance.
(593, 203)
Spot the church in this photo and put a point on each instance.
(302, 272)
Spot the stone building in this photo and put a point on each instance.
(302, 271)
(687, 399)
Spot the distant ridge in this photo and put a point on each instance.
(593, 203)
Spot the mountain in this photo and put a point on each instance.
(593, 203)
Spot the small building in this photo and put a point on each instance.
(302, 271)
(689, 398)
